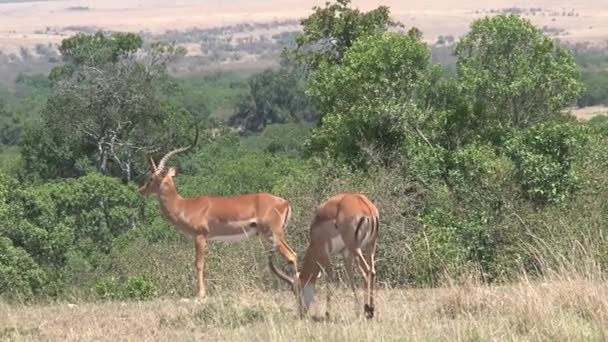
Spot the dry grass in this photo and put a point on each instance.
(561, 309)
(587, 113)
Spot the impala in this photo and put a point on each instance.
(345, 224)
(219, 218)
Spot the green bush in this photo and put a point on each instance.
(280, 138)
(64, 226)
(479, 176)
(596, 88)
(512, 74)
(108, 289)
(544, 155)
(19, 274)
(134, 287)
(85, 213)
(371, 96)
(139, 287)
(450, 247)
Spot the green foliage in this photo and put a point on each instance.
(440, 248)
(346, 137)
(544, 155)
(56, 221)
(47, 154)
(280, 138)
(137, 287)
(331, 30)
(108, 289)
(224, 169)
(94, 49)
(19, 274)
(274, 97)
(599, 124)
(10, 160)
(469, 174)
(21, 105)
(105, 110)
(375, 69)
(596, 88)
(512, 74)
(214, 95)
(372, 95)
(9, 129)
(479, 176)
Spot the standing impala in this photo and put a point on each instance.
(228, 219)
(347, 224)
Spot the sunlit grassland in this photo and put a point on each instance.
(557, 309)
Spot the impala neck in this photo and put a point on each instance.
(169, 200)
(308, 276)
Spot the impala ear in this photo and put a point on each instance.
(171, 172)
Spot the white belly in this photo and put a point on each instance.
(335, 245)
(246, 234)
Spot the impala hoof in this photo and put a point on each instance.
(369, 311)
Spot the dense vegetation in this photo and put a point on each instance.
(477, 172)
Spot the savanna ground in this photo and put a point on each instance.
(20, 24)
(562, 308)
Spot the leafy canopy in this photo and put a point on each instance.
(332, 29)
(513, 75)
(105, 111)
(372, 95)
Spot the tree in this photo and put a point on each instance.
(9, 126)
(332, 29)
(105, 107)
(94, 49)
(44, 227)
(378, 89)
(512, 75)
(275, 96)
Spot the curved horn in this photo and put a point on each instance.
(151, 159)
(279, 273)
(163, 161)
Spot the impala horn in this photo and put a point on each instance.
(163, 162)
(279, 273)
(151, 159)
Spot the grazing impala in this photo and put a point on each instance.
(346, 224)
(228, 219)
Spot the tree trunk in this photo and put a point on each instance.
(102, 165)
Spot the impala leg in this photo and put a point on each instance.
(328, 274)
(278, 223)
(287, 253)
(200, 243)
(366, 271)
(350, 275)
(276, 243)
(369, 311)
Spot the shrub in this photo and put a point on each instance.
(543, 157)
(447, 245)
(19, 274)
(139, 287)
(481, 177)
(134, 287)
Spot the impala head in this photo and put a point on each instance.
(159, 174)
(303, 287)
